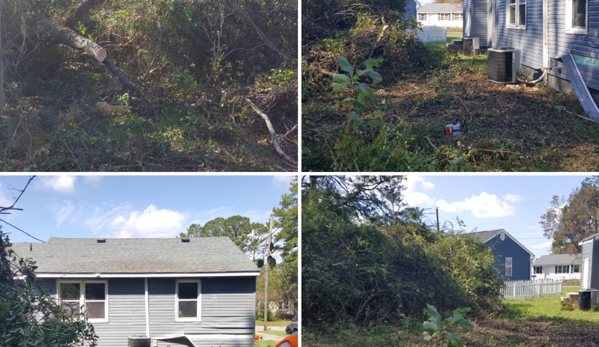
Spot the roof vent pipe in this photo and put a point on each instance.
(101, 240)
(184, 240)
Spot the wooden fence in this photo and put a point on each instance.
(531, 289)
(432, 34)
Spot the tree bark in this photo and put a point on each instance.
(73, 40)
(77, 14)
(123, 78)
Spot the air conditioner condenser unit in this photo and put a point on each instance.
(471, 46)
(503, 64)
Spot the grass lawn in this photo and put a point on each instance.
(275, 323)
(537, 322)
(274, 332)
(266, 343)
(570, 289)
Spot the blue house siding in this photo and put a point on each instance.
(521, 267)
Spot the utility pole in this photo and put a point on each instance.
(437, 219)
(267, 265)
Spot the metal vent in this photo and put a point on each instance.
(184, 240)
(101, 240)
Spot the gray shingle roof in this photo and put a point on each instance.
(487, 235)
(130, 256)
(440, 8)
(558, 259)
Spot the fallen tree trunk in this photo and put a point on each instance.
(73, 40)
(123, 78)
(273, 134)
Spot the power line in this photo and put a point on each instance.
(24, 232)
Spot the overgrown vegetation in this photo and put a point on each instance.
(181, 89)
(424, 88)
(368, 262)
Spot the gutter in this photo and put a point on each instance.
(149, 275)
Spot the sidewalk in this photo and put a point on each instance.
(266, 336)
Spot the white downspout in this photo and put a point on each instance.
(147, 308)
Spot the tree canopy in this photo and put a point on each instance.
(570, 220)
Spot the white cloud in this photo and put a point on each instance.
(513, 198)
(543, 245)
(4, 201)
(257, 216)
(415, 198)
(484, 205)
(152, 222)
(62, 211)
(282, 180)
(92, 179)
(61, 184)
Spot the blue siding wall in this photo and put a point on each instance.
(520, 258)
(530, 40)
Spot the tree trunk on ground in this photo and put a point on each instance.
(73, 40)
(123, 78)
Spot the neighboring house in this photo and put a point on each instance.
(546, 32)
(512, 259)
(411, 8)
(442, 15)
(564, 266)
(589, 278)
(179, 292)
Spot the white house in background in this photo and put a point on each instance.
(564, 266)
(442, 15)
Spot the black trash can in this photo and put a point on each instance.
(139, 341)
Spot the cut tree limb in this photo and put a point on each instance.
(123, 78)
(264, 38)
(72, 39)
(273, 134)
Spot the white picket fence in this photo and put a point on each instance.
(432, 34)
(531, 289)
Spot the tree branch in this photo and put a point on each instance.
(273, 134)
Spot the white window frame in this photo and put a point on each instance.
(198, 318)
(575, 269)
(421, 17)
(511, 266)
(461, 15)
(569, 28)
(516, 24)
(445, 15)
(538, 268)
(82, 300)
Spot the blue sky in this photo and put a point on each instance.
(133, 206)
(486, 202)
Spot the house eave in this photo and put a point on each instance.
(147, 275)
(513, 239)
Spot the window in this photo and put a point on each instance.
(577, 17)
(538, 269)
(508, 266)
(188, 306)
(458, 16)
(444, 16)
(562, 269)
(87, 297)
(516, 14)
(421, 17)
(575, 269)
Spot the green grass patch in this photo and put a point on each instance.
(273, 332)
(274, 323)
(266, 343)
(570, 289)
(549, 307)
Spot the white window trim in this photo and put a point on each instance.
(511, 267)
(517, 15)
(188, 319)
(576, 31)
(82, 298)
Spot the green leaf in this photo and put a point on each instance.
(430, 327)
(358, 105)
(366, 90)
(370, 63)
(344, 64)
(432, 312)
(337, 87)
(341, 78)
(346, 100)
(260, 263)
(376, 77)
(454, 341)
(355, 116)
